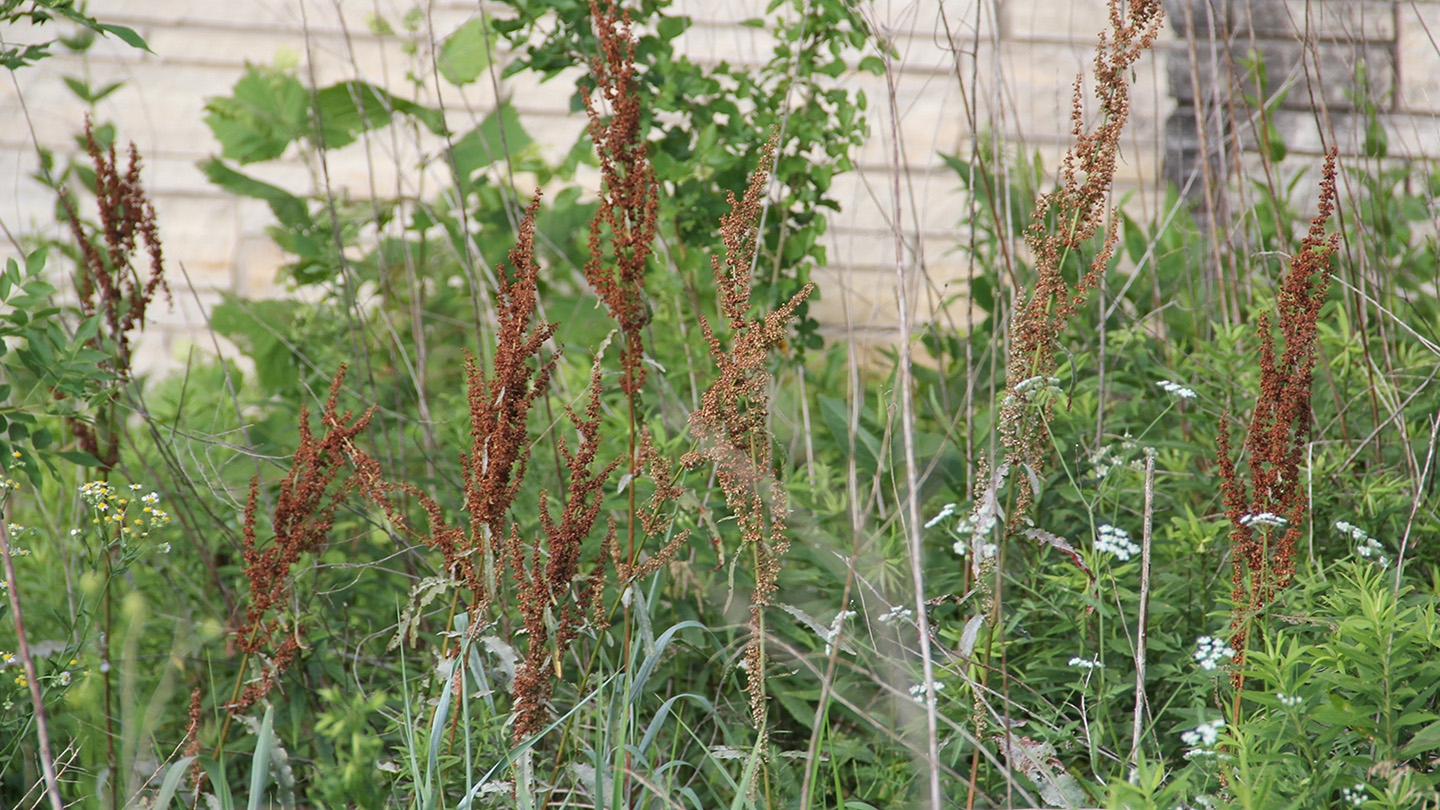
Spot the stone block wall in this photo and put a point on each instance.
(1007, 64)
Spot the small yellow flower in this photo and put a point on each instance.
(21, 682)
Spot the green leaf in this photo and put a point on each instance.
(347, 109)
(465, 54)
(79, 457)
(173, 777)
(1377, 140)
(499, 136)
(38, 288)
(288, 208)
(258, 328)
(35, 262)
(671, 27)
(127, 35)
(78, 87)
(1426, 739)
(266, 113)
(88, 328)
(260, 764)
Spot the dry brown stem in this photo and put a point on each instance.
(1080, 209)
(1264, 555)
(732, 423)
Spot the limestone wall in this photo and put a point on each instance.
(1007, 64)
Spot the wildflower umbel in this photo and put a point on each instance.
(1267, 518)
(1202, 738)
(1078, 210)
(1115, 542)
(1210, 651)
(732, 423)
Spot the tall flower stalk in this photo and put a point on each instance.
(1267, 518)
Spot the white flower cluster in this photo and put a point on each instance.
(1202, 738)
(1115, 541)
(1264, 519)
(945, 511)
(918, 691)
(1086, 663)
(899, 612)
(1025, 388)
(1209, 650)
(974, 531)
(1289, 700)
(1177, 389)
(1110, 458)
(1354, 796)
(1367, 546)
(978, 533)
(833, 632)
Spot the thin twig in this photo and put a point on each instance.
(912, 523)
(42, 730)
(1142, 621)
(1415, 504)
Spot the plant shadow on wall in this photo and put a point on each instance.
(646, 555)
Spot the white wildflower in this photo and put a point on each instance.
(1264, 519)
(1177, 389)
(833, 632)
(1356, 533)
(1354, 796)
(1114, 541)
(918, 690)
(1289, 700)
(895, 613)
(1086, 663)
(945, 511)
(1202, 738)
(1209, 650)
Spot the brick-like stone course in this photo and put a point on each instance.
(1017, 59)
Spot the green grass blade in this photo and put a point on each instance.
(648, 665)
(260, 765)
(172, 782)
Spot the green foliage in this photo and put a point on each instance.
(398, 698)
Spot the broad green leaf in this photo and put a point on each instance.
(671, 27)
(288, 208)
(258, 328)
(35, 262)
(465, 54)
(173, 776)
(127, 35)
(1426, 739)
(499, 136)
(79, 457)
(347, 109)
(266, 113)
(260, 764)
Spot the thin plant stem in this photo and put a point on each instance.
(22, 644)
(1142, 621)
(912, 522)
(1415, 504)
